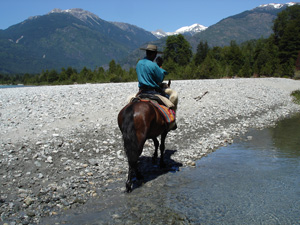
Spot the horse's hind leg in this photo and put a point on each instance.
(162, 149)
(132, 172)
(156, 144)
(129, 181)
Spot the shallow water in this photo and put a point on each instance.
(253, 181)
(11, 86)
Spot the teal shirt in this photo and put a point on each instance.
(149, 73)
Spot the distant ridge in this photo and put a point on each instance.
(250, 24)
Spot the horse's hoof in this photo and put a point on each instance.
(128, 188)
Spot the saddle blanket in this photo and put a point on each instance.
(168, 114)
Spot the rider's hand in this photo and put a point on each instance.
(159, 61)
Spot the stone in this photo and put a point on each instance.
(28, 201)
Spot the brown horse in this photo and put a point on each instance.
(139, 121)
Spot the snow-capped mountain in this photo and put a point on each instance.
(187, 30)
(159, 33)
(277, 6)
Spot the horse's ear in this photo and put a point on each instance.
(169, 83)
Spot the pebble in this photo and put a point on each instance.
(28, 201)
(60, 145)
(49, 159)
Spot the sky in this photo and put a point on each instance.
(168, 15)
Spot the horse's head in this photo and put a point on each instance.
(164, 85)
(172, 93)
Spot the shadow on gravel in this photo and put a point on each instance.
(151, 171)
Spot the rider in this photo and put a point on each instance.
(150, 74)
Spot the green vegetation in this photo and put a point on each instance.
(276, 56)
(296, 96)
(115, 73)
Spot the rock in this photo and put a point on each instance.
(191, 163)
(49, 159)
(120, 154)
(64, 202)
(94, 162)
(30, 213)
(37, 164)
(28, 201)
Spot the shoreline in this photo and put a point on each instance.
(60, 145)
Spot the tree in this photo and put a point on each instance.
(170, 66)
(298, 62)
(99, 74)
(63, 76)
(209, 68)
(246, 70)
(85, 75)
(234, 57)
(287, 33)
(112, 67)
(52, 76)
(202, 51)
(288, 68)
(44, 76)
(178, 49)
(266, 59)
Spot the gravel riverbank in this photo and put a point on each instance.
(60, 145)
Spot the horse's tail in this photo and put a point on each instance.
(129, 134)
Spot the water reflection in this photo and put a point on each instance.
(249, 182)
(286, 136)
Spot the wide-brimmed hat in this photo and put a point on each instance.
(152, 48)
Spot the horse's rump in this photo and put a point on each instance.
(141, 118)
(126, 124)
(167, 114)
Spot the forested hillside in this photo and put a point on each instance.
(278, 55)
(75, 38)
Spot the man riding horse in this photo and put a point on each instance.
(142, 118)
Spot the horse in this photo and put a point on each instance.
(139, 121)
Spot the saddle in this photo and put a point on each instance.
(150, 97)
(167, 107)
(164, 106)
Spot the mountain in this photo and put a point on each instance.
(78, 38)
(187, 30)
(250, 24)
(64, 38)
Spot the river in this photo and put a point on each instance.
(253, 181)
